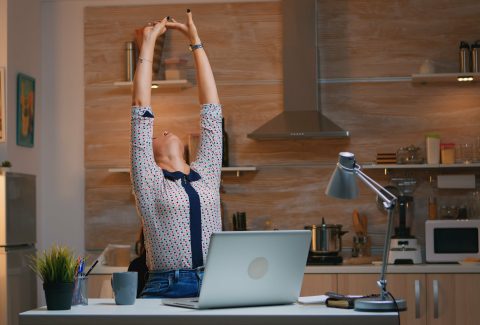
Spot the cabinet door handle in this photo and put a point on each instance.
(435, 299)
(417, 299)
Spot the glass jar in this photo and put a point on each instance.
(409, 155)
(448, 212)
(447, 151)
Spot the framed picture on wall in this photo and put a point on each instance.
(3, 104)
(25, 110)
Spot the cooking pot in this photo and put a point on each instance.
(326, 238)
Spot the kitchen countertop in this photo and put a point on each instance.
(367, 268)
(418, 268)
(151, 311)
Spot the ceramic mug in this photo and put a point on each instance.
(124, 285)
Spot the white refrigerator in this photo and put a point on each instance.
(18, 283)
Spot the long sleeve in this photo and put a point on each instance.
(144, 171)
(209, 156)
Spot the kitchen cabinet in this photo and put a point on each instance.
(453, 299)
(410, 287)
(318, 284)
(432, 298)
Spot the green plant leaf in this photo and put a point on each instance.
(55, 265)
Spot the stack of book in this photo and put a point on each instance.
(337, 300)
(386, 158)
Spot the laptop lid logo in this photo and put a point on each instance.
(258, 268)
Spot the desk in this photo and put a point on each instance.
(151, 311)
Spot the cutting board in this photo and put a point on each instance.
(361, 260)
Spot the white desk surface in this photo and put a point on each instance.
(152, 311)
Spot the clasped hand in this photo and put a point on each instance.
(149, 33)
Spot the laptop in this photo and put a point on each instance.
(251, 268)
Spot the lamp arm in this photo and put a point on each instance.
(389, 204)
(382, 283)
(377, 188)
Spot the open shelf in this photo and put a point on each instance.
(419, 166)
(445, 77)
(181, 83)
(236, 169)
(239, 169)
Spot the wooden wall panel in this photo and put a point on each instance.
(378, 38)
(357, 39)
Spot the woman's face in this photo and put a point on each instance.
(167, 145)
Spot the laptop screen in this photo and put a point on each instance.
(249, 268)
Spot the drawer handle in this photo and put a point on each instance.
(435, 299)
(417, 299)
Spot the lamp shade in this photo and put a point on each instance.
(343, 183)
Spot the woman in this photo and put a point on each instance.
(179, 204)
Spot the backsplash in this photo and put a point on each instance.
(287, 190)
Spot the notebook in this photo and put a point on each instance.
(251, 268)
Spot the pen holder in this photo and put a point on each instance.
(80, 296)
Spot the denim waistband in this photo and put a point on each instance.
(178, 271)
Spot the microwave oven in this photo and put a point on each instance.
(448, 241)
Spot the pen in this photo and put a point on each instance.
(91, 268)
(80, 268)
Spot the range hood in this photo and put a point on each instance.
(302, 117)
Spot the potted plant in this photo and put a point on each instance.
(57, 268)
(5, 165)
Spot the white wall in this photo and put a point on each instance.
(23, 55)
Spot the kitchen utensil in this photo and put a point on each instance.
(475, 56)
(326, 238)
(357, 224)
(464, 57)
(364, 221)
(239, 221)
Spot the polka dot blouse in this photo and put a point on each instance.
(163, 203)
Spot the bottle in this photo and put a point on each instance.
(464, 52)
(432, 200)
(432, 208)
(475, 59)
(433, 148)
(225, 162)
(130, 61)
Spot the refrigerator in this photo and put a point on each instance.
(18, 283)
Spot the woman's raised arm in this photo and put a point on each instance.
(207, 89)
(142, 81)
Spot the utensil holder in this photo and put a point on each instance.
(80, 296)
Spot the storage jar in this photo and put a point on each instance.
(433, 148)
(447, 153)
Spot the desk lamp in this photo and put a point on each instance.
(343, 185)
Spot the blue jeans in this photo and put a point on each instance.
(173, 284)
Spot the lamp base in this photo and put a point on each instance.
(377, 304)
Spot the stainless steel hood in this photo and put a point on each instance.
(302, 117)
